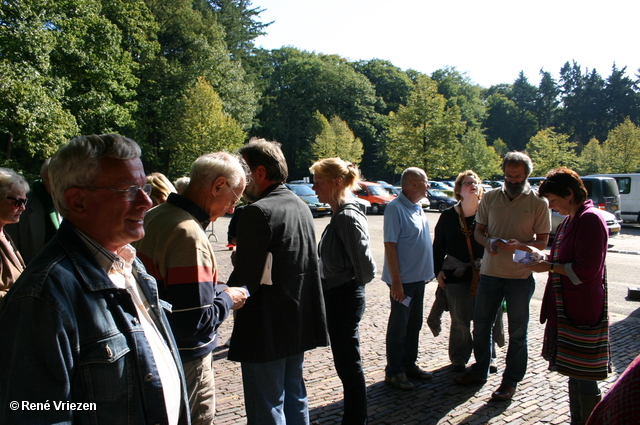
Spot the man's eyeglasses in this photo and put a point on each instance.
(238, 198)
(18, 202)
(130, 193)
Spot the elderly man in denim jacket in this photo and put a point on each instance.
(84, 336)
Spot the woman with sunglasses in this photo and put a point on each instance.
(13, 189)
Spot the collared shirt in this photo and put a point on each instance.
(119, 268)
(406, 225)
(520, 218)
(191, 207)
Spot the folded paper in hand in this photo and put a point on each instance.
(266, 272)
(525, 257)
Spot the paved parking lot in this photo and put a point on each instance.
(541, 397)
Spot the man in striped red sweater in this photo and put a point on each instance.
(177, 252)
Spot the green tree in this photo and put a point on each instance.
(500, 147)
(335, 139)
(547, 100)
(301, 83)
(592, 160)
(73, 70)
(622, 148)
(241, 25)
(460, 91)
(621, 98)
(549, 150)
(33, 120)
(191, 45)
(200, 126)
(477, 156)
(507, 121)
(425, 132)
(584, 108)
(523, 93)
(391, 84)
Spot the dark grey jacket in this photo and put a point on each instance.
(345, 251)
(287, 317)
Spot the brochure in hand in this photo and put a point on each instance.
(524, 257)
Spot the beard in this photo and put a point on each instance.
(514, 189)
(250, 193)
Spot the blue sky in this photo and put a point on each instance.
(490, 40)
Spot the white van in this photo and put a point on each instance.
(629, 188)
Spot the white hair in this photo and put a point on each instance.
(77, 163)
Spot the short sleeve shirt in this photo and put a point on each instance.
(521, 219)
(406, 225)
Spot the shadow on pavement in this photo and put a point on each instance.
(428, 403)
(625, 341)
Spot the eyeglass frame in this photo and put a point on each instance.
(131, 193)
(18, 202)
(238, 198)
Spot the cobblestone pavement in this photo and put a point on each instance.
(541, 397)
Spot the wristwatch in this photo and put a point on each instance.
(551, 268)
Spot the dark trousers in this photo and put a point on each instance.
(345, 305)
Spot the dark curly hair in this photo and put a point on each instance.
(562, 182)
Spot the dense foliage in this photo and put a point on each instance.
(184, 77)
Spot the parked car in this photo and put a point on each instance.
(612, 223)
(629, 189)
(309, 197)
(393, 190)
(376, 195)
(440, 185)
(363, 204)
(438, 200)
(493, 183)
(603, 191)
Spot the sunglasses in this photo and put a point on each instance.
(18, 202)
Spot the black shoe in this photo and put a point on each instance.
(458, 368)
(416, 373)
(468, 379)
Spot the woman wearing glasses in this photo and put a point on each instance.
(13, 189)
(455, 256)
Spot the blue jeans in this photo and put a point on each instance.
(491, 292)
(403, 330)
(274, 392)
(345, 306)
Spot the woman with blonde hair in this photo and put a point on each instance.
(346, 265)
(161, 187)
(13, 199)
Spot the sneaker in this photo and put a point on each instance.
(417, 373)
(399, 381)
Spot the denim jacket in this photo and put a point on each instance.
(72, 347)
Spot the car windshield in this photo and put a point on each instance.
(377, 190)
(302, 190)
(437, 192)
